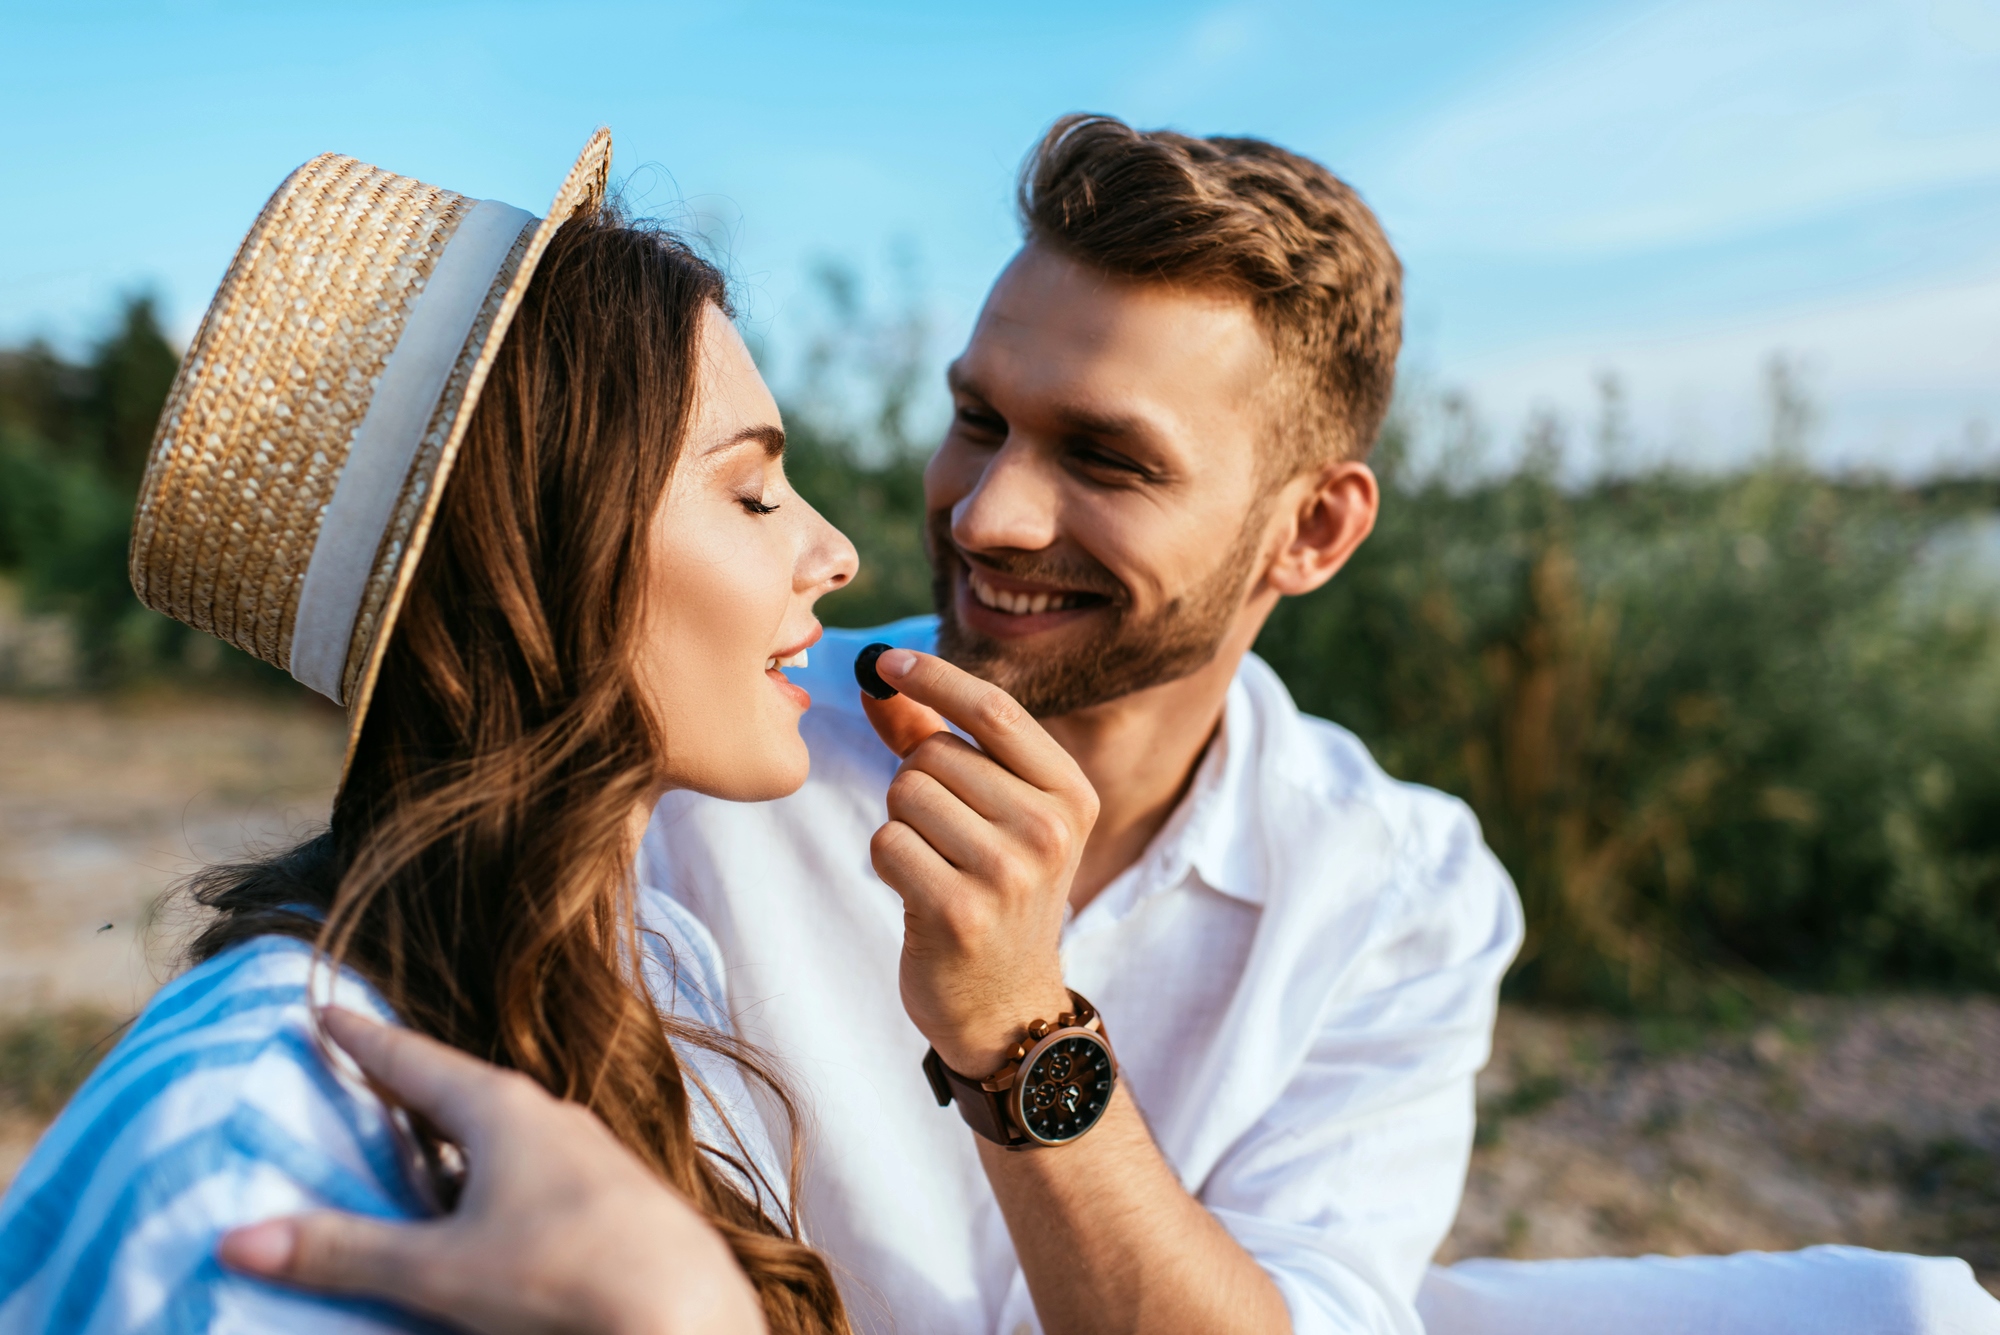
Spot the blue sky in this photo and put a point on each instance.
(1671, 191)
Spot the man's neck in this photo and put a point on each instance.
(1140, 752)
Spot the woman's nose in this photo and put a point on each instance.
(829, 559)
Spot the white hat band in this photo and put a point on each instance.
(399, 412)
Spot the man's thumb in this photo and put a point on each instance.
(334, 1253)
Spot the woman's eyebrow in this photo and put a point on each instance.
(772, 438)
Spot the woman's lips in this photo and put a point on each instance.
(788, 688)
(794, 657)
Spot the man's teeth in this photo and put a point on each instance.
(1021, 604)
(796, 660)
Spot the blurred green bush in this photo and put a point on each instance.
(1724, 731)
(73, 445)
(1730, 733)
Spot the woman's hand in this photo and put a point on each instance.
(559, 1228)
(982, 844)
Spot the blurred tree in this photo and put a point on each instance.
(855, 446)
(73, 445)
(1706, 721)
(130, 374)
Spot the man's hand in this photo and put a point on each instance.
(560, 1228)
(981, 843)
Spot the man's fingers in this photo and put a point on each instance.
(901, 722)
(450, 1087)
(910, 866)
(960, 835)
(979, 781)
(337, 1253)
(988, 714)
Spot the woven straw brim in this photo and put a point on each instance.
(276, 384)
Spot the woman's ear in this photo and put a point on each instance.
(1332, 510)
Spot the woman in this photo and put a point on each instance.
(512, 489)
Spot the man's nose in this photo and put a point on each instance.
(1013, 505)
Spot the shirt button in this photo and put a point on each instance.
(1024, 1329)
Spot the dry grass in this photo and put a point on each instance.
(44, 1056)
(106, 801)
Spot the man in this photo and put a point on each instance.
(1160, 428)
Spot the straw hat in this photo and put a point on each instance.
(314, 421)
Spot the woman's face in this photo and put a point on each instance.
(738, 560)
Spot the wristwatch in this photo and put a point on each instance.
(1053, 1087)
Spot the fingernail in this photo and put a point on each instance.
(264, 1249)
(896, 663)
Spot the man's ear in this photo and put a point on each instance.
(1332, 510)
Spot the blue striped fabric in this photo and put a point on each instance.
(217, 1110)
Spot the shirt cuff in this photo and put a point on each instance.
(1329, 1288)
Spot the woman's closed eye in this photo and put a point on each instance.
(756, 506)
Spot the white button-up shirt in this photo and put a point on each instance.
(1299, 977)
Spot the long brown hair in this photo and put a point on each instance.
(478, 868)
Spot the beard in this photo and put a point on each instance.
(1122, 654)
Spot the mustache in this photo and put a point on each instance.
(1073, 573)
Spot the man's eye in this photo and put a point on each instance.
(982, 422)
(1104, 460)
(755, 506)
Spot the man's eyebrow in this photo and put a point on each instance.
(771, 437)
(1111, 426)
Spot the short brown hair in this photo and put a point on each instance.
(1248, 217)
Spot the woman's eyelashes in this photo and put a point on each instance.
(756, 506)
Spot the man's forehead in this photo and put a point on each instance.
(1053, 325)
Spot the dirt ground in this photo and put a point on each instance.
(1872, 1120)
(105, 803)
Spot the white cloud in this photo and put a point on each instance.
(1694, 121)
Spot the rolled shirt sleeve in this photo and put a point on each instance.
(1347, 1183)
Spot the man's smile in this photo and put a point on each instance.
(1022, 599)
(1009, 608)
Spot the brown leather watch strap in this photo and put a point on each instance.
(983, 1110)
(985, 1104)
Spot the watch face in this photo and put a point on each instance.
(1065, 1087)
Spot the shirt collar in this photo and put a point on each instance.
(1218, 839)
(1210, 832)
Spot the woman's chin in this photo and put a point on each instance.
(777, 771)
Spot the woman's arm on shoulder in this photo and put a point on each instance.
(559, 1228)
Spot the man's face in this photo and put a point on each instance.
(1094, 511)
